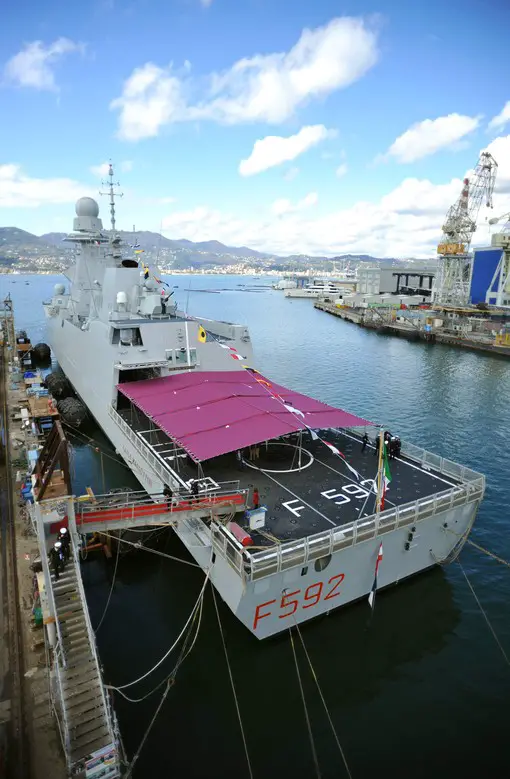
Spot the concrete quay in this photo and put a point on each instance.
(414, 333)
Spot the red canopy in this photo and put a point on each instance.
(213, 412)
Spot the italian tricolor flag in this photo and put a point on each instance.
(386, 476)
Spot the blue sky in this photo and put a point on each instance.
(286, 125)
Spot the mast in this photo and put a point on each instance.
(111, 184)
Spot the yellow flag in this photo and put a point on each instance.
(202, 335)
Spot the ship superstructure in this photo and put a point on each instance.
(302, 524)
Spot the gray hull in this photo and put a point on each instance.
(267, 601)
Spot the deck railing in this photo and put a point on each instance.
(256, 565)
(166, 474)
(132, 509)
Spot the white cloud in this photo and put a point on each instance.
(500, 150)
(431, 135)
(406, 222)
(206, 3)
(33, 66)
(284, 206)
(341, 170)
(503, 118)
(291, 174)
(126, 166)
(18, 190)
(263, 88)
(150, 99)
(274, 149)
(100, 170)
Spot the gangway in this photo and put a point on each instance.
(79, 698)
(134, 509)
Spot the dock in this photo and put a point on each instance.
(382, 321)
(59, 718)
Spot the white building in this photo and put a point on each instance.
(395, 280)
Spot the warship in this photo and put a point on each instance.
(294, 514)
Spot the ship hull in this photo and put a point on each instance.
(270, 604)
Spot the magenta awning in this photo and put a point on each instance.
(214, 412)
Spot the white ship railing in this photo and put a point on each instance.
(256, 565)
(428, 459)
(299, 552)
(136, 498)
(139, 509)
(166, 474)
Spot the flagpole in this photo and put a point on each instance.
(379, 472)
(188, 360)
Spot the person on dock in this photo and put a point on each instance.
(63, 537)
(195, 486)
(256, 498)
(364, 441)
(239, 460)
(57, 559)
(168, 493)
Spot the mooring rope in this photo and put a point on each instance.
(233, 686)
(314, 675)
(307, 716)
(111, 588)
(498, 642)
(145, 675)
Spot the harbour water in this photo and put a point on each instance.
(421, 689)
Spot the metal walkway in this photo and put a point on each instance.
(85, 712)
(86, 719)
(136, 509)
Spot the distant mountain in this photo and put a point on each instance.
(169, 253)
(53, 239)
(13, 236)
(219, 248)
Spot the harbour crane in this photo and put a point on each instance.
(455, 265)
(502, 238)
(499, 288)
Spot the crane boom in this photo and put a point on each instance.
(455, 265)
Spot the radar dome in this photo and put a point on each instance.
(87, 206)
(59, 289)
